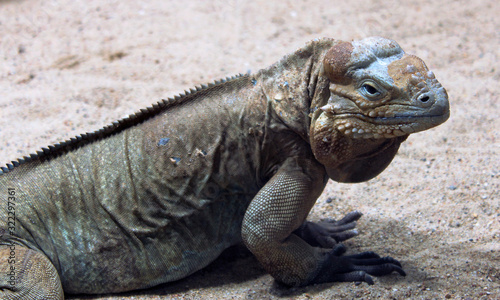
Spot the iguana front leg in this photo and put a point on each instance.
(27, 274)
(279, 209)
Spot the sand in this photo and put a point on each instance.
(69, 67)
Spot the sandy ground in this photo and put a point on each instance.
(69, 67)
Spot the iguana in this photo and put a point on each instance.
(160, 194)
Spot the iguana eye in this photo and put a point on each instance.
(371, 90)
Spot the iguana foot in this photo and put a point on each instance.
(357, 267)
(328, 233)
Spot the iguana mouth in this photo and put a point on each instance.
(395, 120)
(360, 126)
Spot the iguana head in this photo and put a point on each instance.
(376, 92)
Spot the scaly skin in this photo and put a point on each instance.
(159, 195)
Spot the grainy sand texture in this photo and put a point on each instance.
(69, 67)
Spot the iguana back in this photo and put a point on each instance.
(160, 198)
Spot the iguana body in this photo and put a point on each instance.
(159, 195)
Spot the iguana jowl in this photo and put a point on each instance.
(159, 195)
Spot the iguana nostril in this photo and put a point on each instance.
(424, 99)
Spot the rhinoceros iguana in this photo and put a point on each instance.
(160, 194)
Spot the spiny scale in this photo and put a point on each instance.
(114, 127)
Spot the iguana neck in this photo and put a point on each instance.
(294, 86)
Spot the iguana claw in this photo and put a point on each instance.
(328, 233)
(357, 267)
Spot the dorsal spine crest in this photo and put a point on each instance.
(115, 127)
